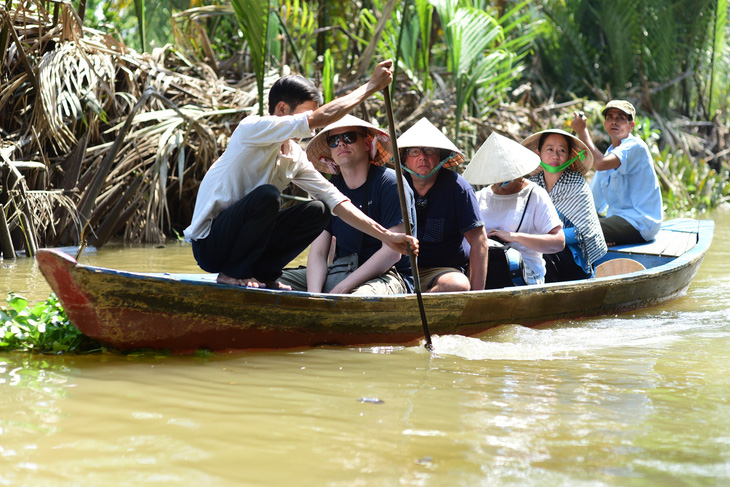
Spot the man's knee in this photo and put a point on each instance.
(267, 194)
(450, 282)
(317, 211)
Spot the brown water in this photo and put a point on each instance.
(638, 399)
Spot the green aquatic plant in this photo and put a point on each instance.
(42, 328)
(690, 185)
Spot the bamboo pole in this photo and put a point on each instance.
(28, 234)
(6, 242)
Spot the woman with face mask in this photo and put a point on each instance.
(564, 160)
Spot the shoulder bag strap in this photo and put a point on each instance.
(524, 210)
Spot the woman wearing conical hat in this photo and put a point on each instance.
(564, 160)
(515, 210)
(453, 243)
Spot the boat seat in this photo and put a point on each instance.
(667, 243)
(614, 267)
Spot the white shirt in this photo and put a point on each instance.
(504, 212)
(253, 158)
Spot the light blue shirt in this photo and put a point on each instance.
(630, 191)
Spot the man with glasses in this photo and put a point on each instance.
(355, 151)
(238, 229)
(625, 186)
(453, 242)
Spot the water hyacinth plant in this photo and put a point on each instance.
(42, 328)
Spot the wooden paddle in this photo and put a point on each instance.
(406, 215)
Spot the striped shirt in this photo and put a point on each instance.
(572, 197)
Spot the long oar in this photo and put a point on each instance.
(406, 215)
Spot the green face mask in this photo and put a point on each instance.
(554, 169)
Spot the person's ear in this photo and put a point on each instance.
(282, 108)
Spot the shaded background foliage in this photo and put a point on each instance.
(109, 121)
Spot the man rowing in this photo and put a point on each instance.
(238, 229)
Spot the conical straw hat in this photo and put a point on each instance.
(576, 145)
(425, 134)
(320, 154)
(500, 159)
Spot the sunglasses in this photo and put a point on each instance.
(416, 151)
(347, 137)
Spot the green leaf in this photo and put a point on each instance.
(253, 18)
(18, 303)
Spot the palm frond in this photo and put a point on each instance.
(620, 21)
(717, 45)
(253, 18)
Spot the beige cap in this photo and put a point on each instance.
(500, 159)
(320, 154)
(622, 105)
(425, 134)
(576, 145)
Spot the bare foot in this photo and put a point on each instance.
(276, 285)
(248, 282)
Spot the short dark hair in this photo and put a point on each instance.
(292, 90)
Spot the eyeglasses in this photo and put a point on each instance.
(416, 151)
(347, 137)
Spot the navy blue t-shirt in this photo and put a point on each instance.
(445, 214)
(384, 208)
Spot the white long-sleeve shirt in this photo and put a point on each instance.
(260, 152)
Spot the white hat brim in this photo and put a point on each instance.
(498, 160)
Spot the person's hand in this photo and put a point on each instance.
(502, 235)
(340, 288)
(579, 123)
(382, 76)
(400, 242)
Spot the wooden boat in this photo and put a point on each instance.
(182, 313)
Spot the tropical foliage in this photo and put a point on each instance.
(653, 51)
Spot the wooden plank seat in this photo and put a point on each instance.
(668, 243)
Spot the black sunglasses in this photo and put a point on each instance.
(347, 137)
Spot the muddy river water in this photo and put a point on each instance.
(637, 399)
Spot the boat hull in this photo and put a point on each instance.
(126, 310)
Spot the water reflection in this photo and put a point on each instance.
(632, 399)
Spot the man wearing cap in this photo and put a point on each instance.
(355, 150)
(625, 186)
(453, 255)
(238, 229)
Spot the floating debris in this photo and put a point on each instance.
(372, 400)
